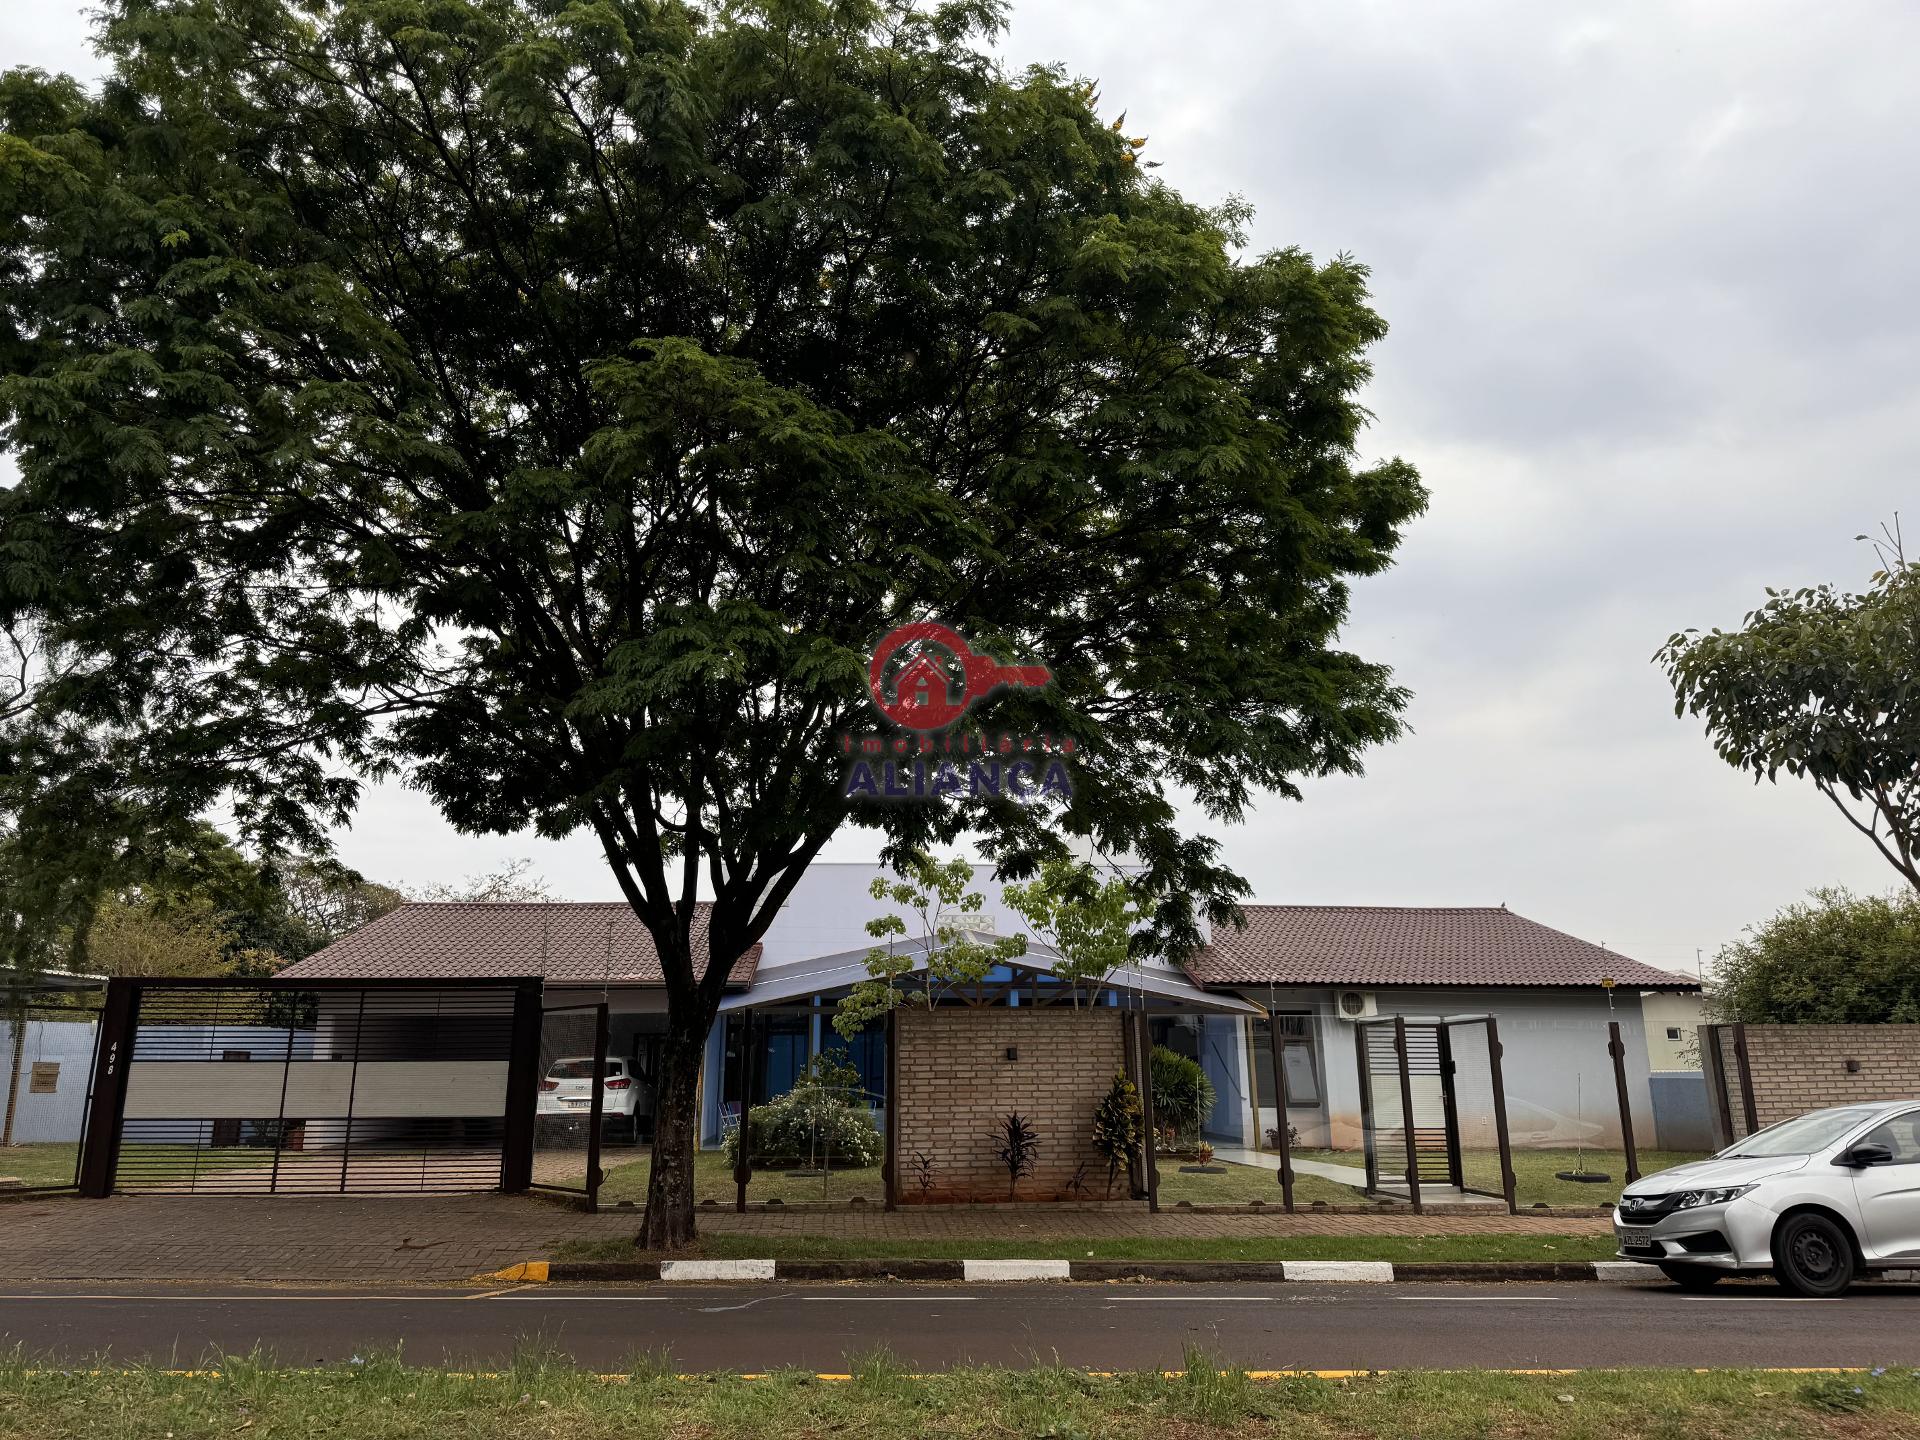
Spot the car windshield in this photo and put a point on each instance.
(572, 1069)
(1803, 1135)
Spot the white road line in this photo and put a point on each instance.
(889, 1299)
(1196, 1299)
(1483, 1299)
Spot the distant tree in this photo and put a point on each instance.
(1823, 685)
(328, 900)
(513, 881)
(143, 939)
(937, 911)
(1090, 919)
(1842, 959)
(553, 403)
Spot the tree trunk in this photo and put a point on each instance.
(676, 1131)
(17, 1030)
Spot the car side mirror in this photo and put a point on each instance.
(1859, 1157)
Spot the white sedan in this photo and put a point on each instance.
(567, 1094)
(1818, 1200)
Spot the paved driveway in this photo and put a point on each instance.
(433, 1238)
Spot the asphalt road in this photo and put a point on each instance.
(1103, 1327)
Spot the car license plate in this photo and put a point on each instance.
(580, 1104)
(1640, 1236)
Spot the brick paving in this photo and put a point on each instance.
(435, 1239)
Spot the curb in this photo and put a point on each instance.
(1326, 1272)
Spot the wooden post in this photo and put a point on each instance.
(1369, 1155)
(1500, 1116)
(1406, 1111)
(100, 1155)
(743, 1151)
(1280, 1113)
(1450, 1107)
(597, 1106)
(1713, 1063)
(1146, 1112)
(1130, 1066)
(1618, 1050)
(1747, 1107)
(523, 1090)
(890, 1165)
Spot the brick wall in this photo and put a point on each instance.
(1796, 1068)
(955, 1084)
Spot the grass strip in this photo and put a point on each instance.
(540, 1395)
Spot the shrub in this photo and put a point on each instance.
(823, 1120)
(1182, 1094)
(1117, 1127)
(1017, 1145)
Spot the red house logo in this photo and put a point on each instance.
(919, 694)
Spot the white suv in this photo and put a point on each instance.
(566, 1094)
(1818, 1200)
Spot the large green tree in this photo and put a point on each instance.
(552, 401)
(1836, 959)
(1825, 685)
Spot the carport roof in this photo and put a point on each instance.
(1412, 945)
(806, 978)
(563, 941)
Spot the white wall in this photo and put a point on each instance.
(1558, 1075)
(61, 1116)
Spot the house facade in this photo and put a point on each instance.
(1316, 971)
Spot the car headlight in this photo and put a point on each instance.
(1710, 1197)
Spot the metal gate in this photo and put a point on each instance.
(1409, 1101)
(308, 1088)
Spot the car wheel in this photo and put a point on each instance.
(1692, 1277)
(1812, 1256)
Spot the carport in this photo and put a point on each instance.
(312, 1086)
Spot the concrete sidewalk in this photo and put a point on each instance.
(399, 1239)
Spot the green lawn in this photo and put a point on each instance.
(39, 1164)
(1242, 1183)
(627, 1172)
(1534, 1171)
(1166, 1247)
(537, 1396)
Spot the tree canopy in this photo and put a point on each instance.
(1824, 685)
(1841, 959)
(551, 403)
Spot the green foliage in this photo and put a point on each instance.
(1182, 1094)
(1016, 1145)
(552, 404)
(1823, 685)
(1090, 921)
(938, 903)
(1842, 960)
(1117, 1128)
(822, 1120)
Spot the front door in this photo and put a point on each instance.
(1889, 1195)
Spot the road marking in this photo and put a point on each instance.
(1484, 1299)
(1197, 1299)
(889, 1299)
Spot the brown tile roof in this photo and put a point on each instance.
(1398, 945)
(565, 942)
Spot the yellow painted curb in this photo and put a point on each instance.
(527, 1272)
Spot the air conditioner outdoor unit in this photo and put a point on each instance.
(1356, 1005)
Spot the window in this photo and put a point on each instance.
(1901, 1135)
(1296, 1053)
(1673, 1032)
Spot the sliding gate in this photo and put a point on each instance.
(283, 1087)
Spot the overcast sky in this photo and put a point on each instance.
(1656, 345)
